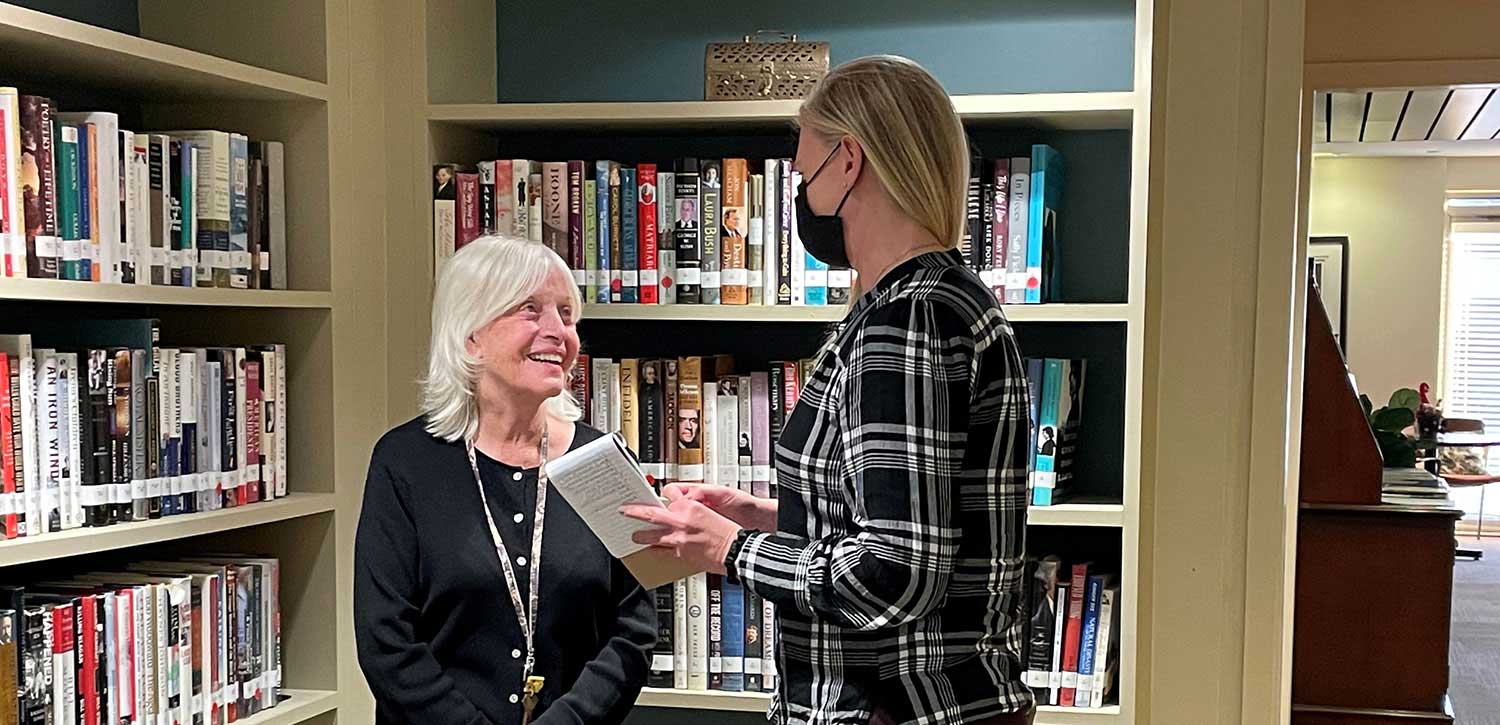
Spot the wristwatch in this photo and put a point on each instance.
(731, 572)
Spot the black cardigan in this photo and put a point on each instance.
(437, 634)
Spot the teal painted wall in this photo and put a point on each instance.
(624, 51)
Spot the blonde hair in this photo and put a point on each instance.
(484, 280)
(911, 135)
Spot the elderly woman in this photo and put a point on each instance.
(479, 595)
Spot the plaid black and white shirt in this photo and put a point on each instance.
(898, 565)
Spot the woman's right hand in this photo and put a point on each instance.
(748, 511)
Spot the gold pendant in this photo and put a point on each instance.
(529, 694)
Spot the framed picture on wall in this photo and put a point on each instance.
(1328, 266)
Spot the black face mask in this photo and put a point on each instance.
(822, 236)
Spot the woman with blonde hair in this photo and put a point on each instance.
(479, 595)
(895, 552)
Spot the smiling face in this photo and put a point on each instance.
(528, 351)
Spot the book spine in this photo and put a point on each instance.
(12, 516)
(715, 588)
(662, 656)
(92, 213)
(254, 482)
(784, 261)
(534, 218)
(260, 254)
(666, 245)
(1072, 633)
(616, 237)
(239, 212)
(1083, 694)
(686, 194)
(12, 212)
(42, 247)
(74, 399)
(630, 369)
(599, 397)
(649, 428)
(69, 218)
(1041, 222)
(175, 184)
(576, 259)
(130, 453)
(601, 210)
(504, 220)
(711, 217)
(591, 241)
(755, 242)
(520, 191)
(771, 214)
(679, 625)
(468, 208)
(697, 632)
(1000, 227)
(630, 250)
(129, 198)
(731, 229)
(690, 393)
(555, 208)
(985, 257)
(968, 243)
(486, 197)
(669, 422)
(646, 224)
(1015, 250)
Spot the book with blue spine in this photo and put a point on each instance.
(630, 258)
(1041, 223)
(733, 637)
(86, 178)
(1088, 645)
(239, 211)
(1044, 477)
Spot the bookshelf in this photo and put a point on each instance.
(445, 109)
(282, 71)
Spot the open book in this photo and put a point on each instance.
(599, 477)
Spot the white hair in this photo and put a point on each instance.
(486, 279)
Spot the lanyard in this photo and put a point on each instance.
(525, 614)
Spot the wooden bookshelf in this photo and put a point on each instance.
(77, 542)
(1054, 110)
(449, 114)
(297, 706)
(46, 290)
(273, 71)
(70, 51)
(831, 313)
(758, 702)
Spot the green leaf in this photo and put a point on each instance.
(1396, 449)
(1393, 419)
(1406, 398)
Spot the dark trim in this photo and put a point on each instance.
(1343, 288)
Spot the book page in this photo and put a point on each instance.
(598, 478)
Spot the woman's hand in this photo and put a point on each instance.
(738, 506)
(695, 532)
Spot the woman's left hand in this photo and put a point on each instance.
(695, 532)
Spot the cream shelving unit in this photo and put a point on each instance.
(282, 70)
(441, 109)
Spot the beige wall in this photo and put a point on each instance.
(1392, 211)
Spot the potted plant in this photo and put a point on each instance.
(1390, 422)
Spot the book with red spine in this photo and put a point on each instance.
(1073, 633)
(468, 208)
(646, 227)
(255, 484)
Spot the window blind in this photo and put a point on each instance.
(1471, 365)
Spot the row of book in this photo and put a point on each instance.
(99, 425)
(195, 641)
(696, 420)
(710, 231)
(1072, 639)
(83, 199)
(678, 432)
(1056, 388)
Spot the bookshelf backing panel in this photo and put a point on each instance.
(303, 130)
(120, 16)
(1098, 469)
(1093, 226)
(617, 52)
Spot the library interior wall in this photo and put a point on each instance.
(118, 15)
(1392, 211)
(973, 46)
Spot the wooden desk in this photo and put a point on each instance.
(1374, 594)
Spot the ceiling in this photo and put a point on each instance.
(1449, 121)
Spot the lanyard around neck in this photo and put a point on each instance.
(525, 613)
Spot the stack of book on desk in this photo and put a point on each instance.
(1413, 487)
